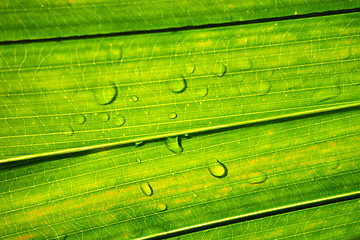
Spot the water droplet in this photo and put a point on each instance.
(172, 115)
(202, 92)
(218, 169)
(67, 130)
(119, 120)
(138, 160)
(104, 116)
(257, 177)
(195, 195)
(137, 144)
(134, 98)
(264, 86)
(188, 69)
(177, 85)
(219, 69)
(161, 207)
(79, 118)
(237, 65)
(326, 93)
(146, 189)
(174, 145)
(346, 53)
(133, 231)
(105, 95)
(333, 163)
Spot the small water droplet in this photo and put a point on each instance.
(264, 86)
(137, 144)
(188, 69)
(138, 160)
(79, 118)
(119, 120)
(160, 207)
(326, 93)
(174, 145)
(219, 69)
(146, 189)
(134, 98)
(133, 231)
(257, 177)
(104, 116)
(333, 164)
(241, 65)
(105, 95)
(172, 115)
(218, 169)
(202, 92)
(177, 85)
(195, 195)
(67, 130)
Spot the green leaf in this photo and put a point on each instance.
(91, 93)
(30, 19)
(323, 222)
(241, 130)
(112, 194)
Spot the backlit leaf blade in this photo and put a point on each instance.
(30, 19)
(334, 221)
(91, 93)
(148, 190)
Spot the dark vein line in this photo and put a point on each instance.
(257, 215)
(185, 28)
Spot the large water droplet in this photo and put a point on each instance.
(160, 207)
(174, 144)
(219, 69)
(326, 93)
(218, 169)
(105, 95)
(104, 116)
(202, 92)
(79, 118)
(134, 98)
(257, 177)
(172, 115)
(146, 188)
(67, 130)
(119, 120)
(177, 85)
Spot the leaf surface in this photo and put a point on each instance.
(240, 130)
(86, 94)
(42, 19)
(149, 190)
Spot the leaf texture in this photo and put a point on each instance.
(231, 130)
(117, 193)
(99, 92)
(30, 19)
